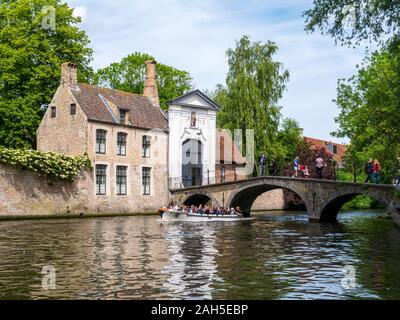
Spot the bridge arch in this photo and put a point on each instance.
(334, 204)
(245, 197)
(200, 199)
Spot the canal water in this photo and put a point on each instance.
(277, 256)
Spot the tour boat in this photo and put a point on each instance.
(170, 215)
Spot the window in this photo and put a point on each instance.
(53, 112)
(121, 180)
(146, 181)
(121, 144)
(122, 115)
(332, 148)
(223, 174)
(101, 141)
(101, 179)
(72, 109)
(146, 143)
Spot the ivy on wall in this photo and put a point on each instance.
(50, 164)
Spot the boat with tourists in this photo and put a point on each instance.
(201, 214)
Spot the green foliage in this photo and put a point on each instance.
(308, 155)
(30, 59)
(361, 203)
(254, 84)
(49, 164)
(370, 113)
(354, 21)
(130, 74)
(289, 138)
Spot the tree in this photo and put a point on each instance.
(351, 22)
(129, 75)
(254, 84)
(307, 155)
(290, 137)
(370, 113)
(31, 52)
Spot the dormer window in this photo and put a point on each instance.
(53, 112)
(122, 116)
(72, 109)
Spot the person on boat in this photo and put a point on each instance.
(176, 208)
(200, 210)
(206, 210)
(238, 212)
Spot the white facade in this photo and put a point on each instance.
(192, 117)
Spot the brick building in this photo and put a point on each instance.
(337, 150)
(138, 151)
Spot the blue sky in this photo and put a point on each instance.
(193, 35)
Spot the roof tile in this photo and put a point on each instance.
(142, 113)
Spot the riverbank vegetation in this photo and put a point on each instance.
(52, 165)
(369, 101)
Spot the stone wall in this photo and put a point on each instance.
(272, 200)
(24, 193)
(65, 133)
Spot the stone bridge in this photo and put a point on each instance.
(323, 198)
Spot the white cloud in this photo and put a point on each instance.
(194, 34)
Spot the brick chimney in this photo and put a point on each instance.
(69, 74)
(150, 86)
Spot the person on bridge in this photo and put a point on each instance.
(296, 165)
(274, 168)
(377, 172)
(263, 165)
(369, 171)
(319, 164)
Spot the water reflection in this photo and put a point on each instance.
(192, 268)
(278, 256)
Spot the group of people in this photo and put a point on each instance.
(273, 168)
(301, 170)
(373, 171)
(206, 210)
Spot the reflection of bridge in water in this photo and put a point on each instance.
(323, 198)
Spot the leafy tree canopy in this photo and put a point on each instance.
(31, 52)
(249, 99)
(370, 113)
(130, 73)
(351, 22)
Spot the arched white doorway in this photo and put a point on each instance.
(192, 163)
